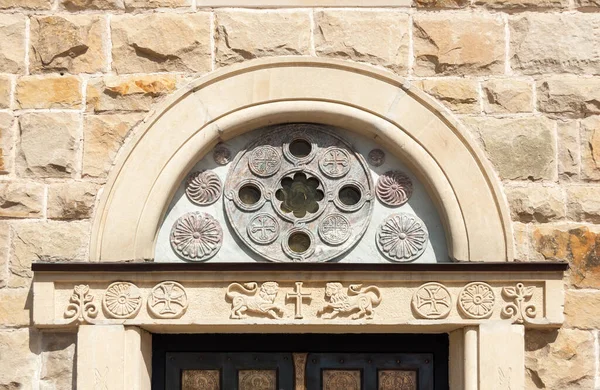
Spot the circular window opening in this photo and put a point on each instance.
(300, 148)
(299, 242)
(299, 195)
(349, 195)
(249, 194)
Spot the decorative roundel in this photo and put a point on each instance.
(122, 300)
(221, 154)
(335, 162)
(376, 157)
(477, 300)
(402, 237)
(203, 187)
(432, 301)
(335, 229)
(263, 229)
(394, 188)
(264, 161)
(168, 300)
(196, 236)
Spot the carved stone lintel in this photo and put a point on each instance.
(357, 299)
(432, 301)
(122, 300)
(519, 311)
(82, 308)
(168, 300)
(249, 299)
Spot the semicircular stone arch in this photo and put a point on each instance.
(358, 98)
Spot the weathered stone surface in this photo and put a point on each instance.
(71, 200)
(577, 245)
(582, 309)
(516, 4)
(48, 92)
(71, 43)
(463, 44)
(522, 241)
(58, 361)
(128, 93)
(161, 43)
(243, 35)
(379, 38)
(459, 95)
(15, 307)
(535, 203)
(19, 199)
(103, 136)
(26, 4)
(12, 43)
(16, 351)
(4, 252)
(559, 359)
(590, 148)
(520, 148)
(5, 87)
(80, 5)
(48, 144)
(587, 3)
(7, 142)
(45, 241)
(549, 42)
(570, 96)
(133, 4)
(568, 150)
(583, 203)
(505, 96)
(441, 3)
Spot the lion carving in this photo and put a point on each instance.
(249, 298)
(361, 300)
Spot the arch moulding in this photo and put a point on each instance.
(258, 93)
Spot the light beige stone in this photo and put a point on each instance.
(18, 348)
(441, 3)
(380, 38)
(582, 309)
(26, 4)
(569, 96)
(559, 359)
(48, 144)
(58, 361)
(590, 148)
(19, 199)
(45, 241)
(134, 4)
(80, 5)
(507, 96)
(48, 92)
(501, 356)
(243, 35)
(15, 307)
(71, 43)
(4, 252)
(12, 43)
(587, 3)
(535, 203)
(128, 93)
(516, 4)
(559, 43)
(583, 203)
(520, 148)
(5, 88)
(569, 151)
(7, 142)
(161, 42)
(522, 238)
(73, 200)
(463, 44)
(459, 95)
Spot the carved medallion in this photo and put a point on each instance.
(334, 229)
(394, 188)
(358, 300)
(263, 229)
(402, 237)
(476, 300)
(203, 187)
(168, 300)
(432, 301)
(221, 154)
(247, 299)
(200, 380)
(82, 308)
(257, 380)
(264, 161)
(122, 300)
(376, 157)
(519, 310)
(335, 162)
(196, 236)
(341, 380)
(397, 380)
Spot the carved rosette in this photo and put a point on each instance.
(394, 188)
(203, 187)
(402, 237)
(376, 157)
(335, 229)
(519, 310)
(432, 301)
(476, 300)
(263, 229)
(264, 161)
(122, 300)
(168, 300)
(196, 236)
(335, 162)
(82, 308)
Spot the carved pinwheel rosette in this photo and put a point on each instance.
(302, 184)
(203, 187)
(394, 188)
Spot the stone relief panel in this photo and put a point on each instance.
(519, 309)
(250, 299)
(82, 308)
(432, 301)
(357, 300)
(122, 300)
(477, 300)
(196, 236)
(168, 300)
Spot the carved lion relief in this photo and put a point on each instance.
(250, 299)
(360, 300)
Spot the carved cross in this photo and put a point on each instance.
(298, 295)
(335, 159)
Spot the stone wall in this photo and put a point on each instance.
(77, 76)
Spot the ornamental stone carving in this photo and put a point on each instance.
(519, 311)
(203, 187)
(335, 229)
(376, 157)
(263, 229)
(341, 379)
(122, 300)
(402, 237)
(335, 162)
(257, 380)
(82, 308)
(222, 154)
(477, 300)
(394, 188)
(432, 301)
(196, 236)
(248, 299)
(298, 296)
(264, 161)
(168, 300)
(358, 301)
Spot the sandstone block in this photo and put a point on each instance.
(559, 359)
(19, 362)
(243, 35)
(535, 203)
(71, 200)
(58, 361)
(48, 92)
(70, 43)
(15, 307)
(459, 95)
(379, 38)
(26, 4)
(45, 241)
(161, 42)
(103, 136)
(516, 4)
(463, 44)
(20, 199)
(587, 3)
(441, 3)
(522, 241)
(4, 252)
(7, 142)
(555, 43)
(568, 150)
(507, 96)
(81, 5)
(128, 93)
(590, 148)
(582, 309)
(583, 203)
(520, 148)
(134, 4)
(48, 144)
(12, 47)
(5, 87)
(570, 96)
